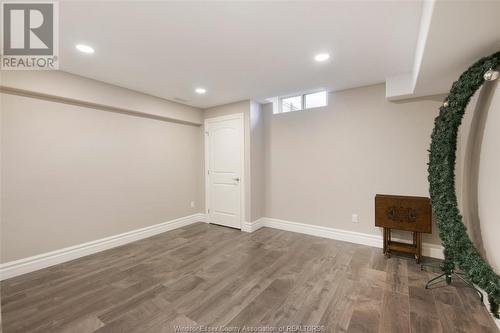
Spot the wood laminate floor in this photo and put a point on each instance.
(214, 276)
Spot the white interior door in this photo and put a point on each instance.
(224, 170)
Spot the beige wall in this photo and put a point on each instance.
(72, 174)
(257, 149)
(324, 164)
(318, 166)
(1, 224)
(489, 181)
(467, 165)
(478, 163)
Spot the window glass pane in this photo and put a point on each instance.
(315, 100)
(291, 104)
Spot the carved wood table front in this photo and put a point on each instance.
(403, 213)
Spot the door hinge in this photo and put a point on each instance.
(208, 172)
(207, 133)
(208, 210)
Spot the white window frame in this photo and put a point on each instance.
(302, 99)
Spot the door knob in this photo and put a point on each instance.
(237, 179)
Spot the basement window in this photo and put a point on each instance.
(302, 102)
(290, 104)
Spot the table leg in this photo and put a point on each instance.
(418, 241)
(385, 241)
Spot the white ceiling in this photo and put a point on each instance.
(261, 49)
(461, 34)
(453, 35)
(238, 50)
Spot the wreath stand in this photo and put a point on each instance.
(447, 276)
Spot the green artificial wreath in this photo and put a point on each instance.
(458, 248)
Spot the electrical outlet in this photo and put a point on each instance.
(354, 218)
(192, 204)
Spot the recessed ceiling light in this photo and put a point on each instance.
(84, 48)
(200, 91)
(321, 57)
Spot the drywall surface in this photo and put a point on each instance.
(73, 174)
(323, 165)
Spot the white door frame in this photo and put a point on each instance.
(239, 116)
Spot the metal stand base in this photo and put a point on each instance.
(448, 276)
(448, 268)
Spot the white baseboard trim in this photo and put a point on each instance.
(428, 250)
(252, 226)
(30, 264)
(487, 305)
(203, 218)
